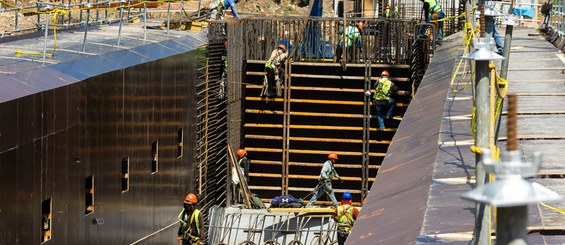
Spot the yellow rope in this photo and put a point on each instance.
(561, 211)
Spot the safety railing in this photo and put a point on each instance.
(412, 9)
(319, 39)
(557, 19)
(74, 13)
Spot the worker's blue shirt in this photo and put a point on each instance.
(231, 4)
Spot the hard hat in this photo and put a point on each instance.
(385, 73)
(346, 195)
(360, 25)
(190, 199)
(241, 152)
(332, 156)
(281, 46)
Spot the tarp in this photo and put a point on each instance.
(526, 12)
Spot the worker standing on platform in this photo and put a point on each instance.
(243, 163)
(383, 99)
(345, 215)
(217, 9)
(432, 10)
(191, 230)
(325, 181)
(274, 71)
(391, 12)
(351, 37)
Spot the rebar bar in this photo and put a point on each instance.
(512, 121)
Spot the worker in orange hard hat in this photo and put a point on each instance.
(383, 99)
(325, 181)
(191, 230)
(351, 42)
(274, 71)
(243, 162)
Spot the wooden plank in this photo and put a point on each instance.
(313, 187)
(265, 162)
(339, 77)
(332, 64)
(263, 149)
(265, 188)
(313, 114)
(344, 178)
(264, 137)
(346, 153)
(306, 164)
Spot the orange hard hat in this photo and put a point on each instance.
(385, 73)
(332, 156)
(361, 25)
(241, 152)
(190, 199)
(281, 46)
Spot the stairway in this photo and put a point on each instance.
(325, 113)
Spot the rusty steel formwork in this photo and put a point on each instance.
(382, 41)
(412, 9)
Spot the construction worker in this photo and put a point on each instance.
(391, 12)
(325, 181)
(243, 162)
(383, 99)
(191, 230)
(345, 215)
(274, 70)
(432, 10)
(351, 37)
(217, 9)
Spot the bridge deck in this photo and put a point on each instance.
(536, 75)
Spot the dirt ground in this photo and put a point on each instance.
(244, 7)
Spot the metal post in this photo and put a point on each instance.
(507, 43)
(180, 14)
(482, 88)
(121, 23)
(168, 16)
(511, 225)
(86, 25)
(199, 2)
(16, 15)
(144, 21)
(46, 33)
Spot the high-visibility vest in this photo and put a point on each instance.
(434, 6)
(330, 173)
(271, 63)
(219, 5)
(382, 91)
(345, 217)
(193, 220)
(351, 35)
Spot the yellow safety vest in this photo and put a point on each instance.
(271, 63)
(351, 35)
(193, 219)
(434, 6)
(382, 91)
(345, 217)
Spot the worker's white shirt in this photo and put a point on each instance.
(326, 169)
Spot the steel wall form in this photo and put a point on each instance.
(394, 210)
(63, 123)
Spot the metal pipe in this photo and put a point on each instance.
(506, 52)
(168, 16)
(16, 13)
(46, 33)
(482, 88)
(86, 26)
(180, 14)
(199, 2)
(121, 23)
(144, 21)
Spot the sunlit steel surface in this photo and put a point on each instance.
(62, 123)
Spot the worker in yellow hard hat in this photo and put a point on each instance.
(191, 230)
(325, 181)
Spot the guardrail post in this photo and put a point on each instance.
(87, 22)
(46, 33)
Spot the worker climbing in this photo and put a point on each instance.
(383, 99)
(432, 11)
(353, 41)
(325, 181)
(218, 6)
(345, 215)
(191, 230)
(274, 72)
